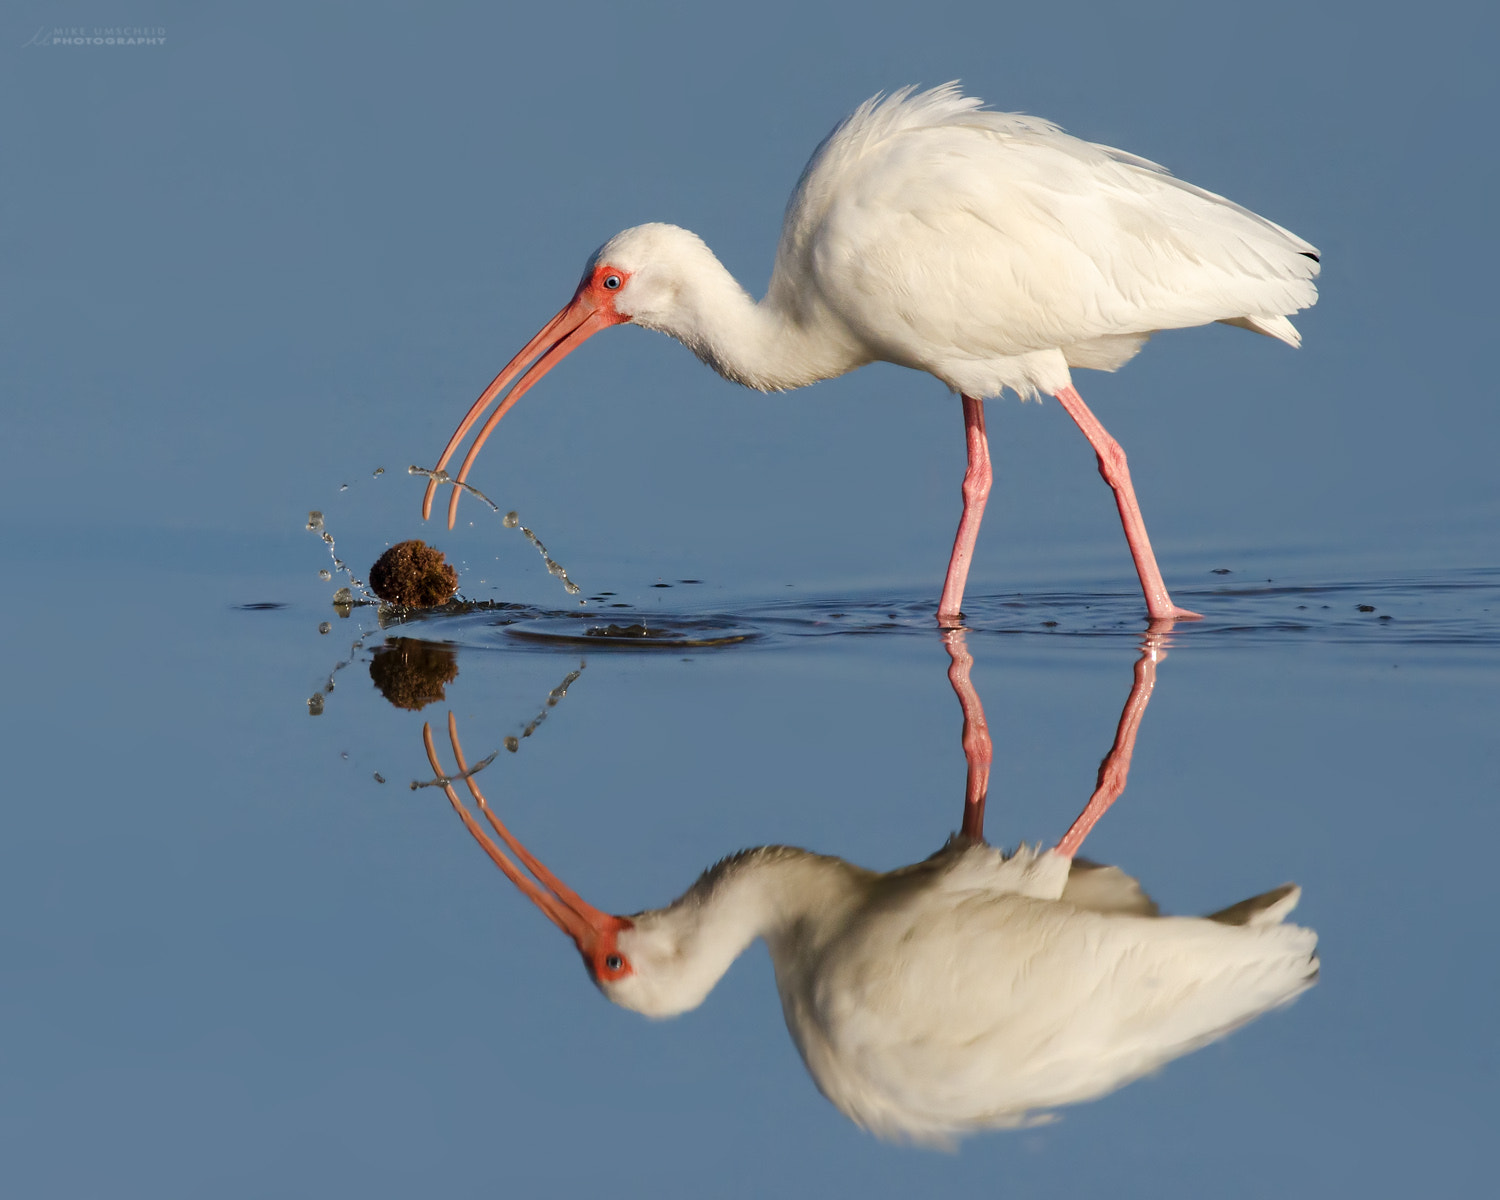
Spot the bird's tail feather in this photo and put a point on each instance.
(1269, 908)
(1272, 326)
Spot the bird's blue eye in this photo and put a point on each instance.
(612, 282)
(614, 962)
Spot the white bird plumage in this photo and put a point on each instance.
(1004, 251)
(971, 990)
(991, 250)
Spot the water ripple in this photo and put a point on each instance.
(1449, 608)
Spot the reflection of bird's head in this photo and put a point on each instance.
(663, 974)
(672, 957)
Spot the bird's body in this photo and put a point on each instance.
(994, 251)
(990, 250)
(971, 990)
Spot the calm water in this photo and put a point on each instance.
(254, 959)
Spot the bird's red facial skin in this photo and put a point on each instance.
(606, 946)
(602, 296)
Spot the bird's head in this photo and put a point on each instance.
(665, 968)
(649, 273)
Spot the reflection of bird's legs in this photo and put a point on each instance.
(977, 747)
(977, 479)
(1115, 768)
(1116, 473)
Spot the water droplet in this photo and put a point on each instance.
(511, 520)
(325, 573)
(315, 520)
(379, 471)
(512, 744)
(379, 778)
(343, 487)
(325, 627)
(343, 596)
(344, 754)
(315, 705)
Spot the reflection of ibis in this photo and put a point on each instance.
(989, 249)
(962, 992)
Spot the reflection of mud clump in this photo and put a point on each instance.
(410, 672)
(413, 575)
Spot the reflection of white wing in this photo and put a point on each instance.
(1101, 888)
(970, 1009)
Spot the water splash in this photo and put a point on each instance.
(512, 520)
(319, 698)
(441, 476)
(511, 743)
(315, 524)
(445, 780)
(514, 743)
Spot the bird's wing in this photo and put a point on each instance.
(943, 232)
(979, 1012)
(1102, 888)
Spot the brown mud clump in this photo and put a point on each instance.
(413, 575)
(411, 673)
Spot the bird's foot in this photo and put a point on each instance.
(1164, 618)
(947, 621)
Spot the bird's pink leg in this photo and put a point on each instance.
(1115, 769)
(1117, 474)
(977, 480)
(978, 750)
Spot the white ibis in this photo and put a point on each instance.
(964, 992)
(989, 249)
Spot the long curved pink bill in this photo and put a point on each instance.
(572, 922)
(566, 894)
(588, 323)
(497, 385)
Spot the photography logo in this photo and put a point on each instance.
(99, 35)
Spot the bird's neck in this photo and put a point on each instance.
(784, 341)
(778, 893)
